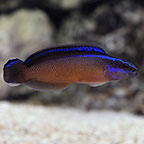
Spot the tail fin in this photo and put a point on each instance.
(14, 71)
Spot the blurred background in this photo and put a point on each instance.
(118, 25)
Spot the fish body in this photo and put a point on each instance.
(58, 67)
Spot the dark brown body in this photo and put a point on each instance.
(71, 69)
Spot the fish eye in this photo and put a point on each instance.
(119, 63)
(124, 66)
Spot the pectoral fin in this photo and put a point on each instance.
(44, 86)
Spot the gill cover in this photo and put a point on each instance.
(116, 72)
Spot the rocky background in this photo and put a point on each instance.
(118, 25)
(30, 25)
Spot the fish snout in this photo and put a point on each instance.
(133, 71)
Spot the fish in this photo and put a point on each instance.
(56, 68)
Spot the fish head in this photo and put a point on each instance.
(119, 69)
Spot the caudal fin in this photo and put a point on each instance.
(14, 71)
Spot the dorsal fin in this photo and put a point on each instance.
(62, 51)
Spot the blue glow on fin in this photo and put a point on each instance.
(12, 62)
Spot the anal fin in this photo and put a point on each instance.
(95, 84)
(46, 86)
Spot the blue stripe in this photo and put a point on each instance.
(11, 63)
(112, 70)
(82, 48)
(106, 57)
(99, 56)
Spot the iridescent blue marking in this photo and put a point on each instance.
(99, 56)
(27, 61)
(106, 57)
(11, 63)
(112, 69)
(82, 48)
(114, 77)
(120, 71)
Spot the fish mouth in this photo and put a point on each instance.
(134, 72)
